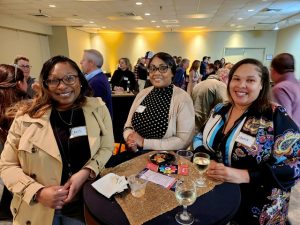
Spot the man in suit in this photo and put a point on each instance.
(91, 63)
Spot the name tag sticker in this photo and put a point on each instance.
(140, 109)
(125, 78)
(245, 139)
(78, 132)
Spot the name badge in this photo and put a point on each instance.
(245, 139)
(140, 109)
(125, 78)
(78, 132)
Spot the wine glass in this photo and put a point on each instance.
(201, 161)
(186, 195)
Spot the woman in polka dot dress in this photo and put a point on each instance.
(162, 116)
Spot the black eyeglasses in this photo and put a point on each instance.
(67, 80)
(25, 66)
(160, 68)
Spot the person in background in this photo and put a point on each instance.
(286, 93)
(13, 88)
(123, 77)
(286, 89)
(203, 67)
(142, 73)
(180, 75)
(194, 76)
(254, 143)
(23, 63)
(148, 57)
(91, 64)
(223, 61)
(207, 94)
(217, 64)
(162, 116)
(46, 175)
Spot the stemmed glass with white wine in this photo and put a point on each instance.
(186, 195)
(201, 161)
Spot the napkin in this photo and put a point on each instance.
(110, 184)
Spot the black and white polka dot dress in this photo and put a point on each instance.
(151, 118)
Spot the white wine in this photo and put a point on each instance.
(201, 163)
(186, 197)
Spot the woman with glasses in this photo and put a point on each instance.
(162, 116)
(57, 141)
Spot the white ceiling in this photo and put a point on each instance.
(166, 15)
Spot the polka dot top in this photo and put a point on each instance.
(150, 119)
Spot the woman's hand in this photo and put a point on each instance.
(134, 140)
(220, 172)
(75, 183)
(117, 88)
(52, 196)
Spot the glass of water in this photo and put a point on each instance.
(186, 195)
(201, 161)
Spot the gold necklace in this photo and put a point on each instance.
(71, 119)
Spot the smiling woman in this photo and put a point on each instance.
(253, 142)
(161, 116)
(57, 141)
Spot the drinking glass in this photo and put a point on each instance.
(201, 161)
(188, 155)
(186, 195)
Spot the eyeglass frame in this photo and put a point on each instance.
(16, 71)
(159, 68)
(25, 66)
(61, 80)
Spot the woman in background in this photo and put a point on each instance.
(123, 77)
(162, 116)
(56, 142)
(254, 143)
(13, 87)
(194, 76)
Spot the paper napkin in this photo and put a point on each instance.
(110, 184)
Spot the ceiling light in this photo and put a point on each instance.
(276, 27)
(250, 10)
(240, 18)
(103, 27)
(157, 26)
(91, 22)
(153, 21)
(52, 6)
(147, 14)
(139, 3)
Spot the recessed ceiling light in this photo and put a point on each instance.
(52, 6)
(276, 27)
(103, 27)
(157, 26)
(139, 3)
(147, 14)
(250, 10)
(153, 21)
(240, 18)
(91, 22)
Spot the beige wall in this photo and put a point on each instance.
(190, 45)
(33, 46)
(77, 42)
(289, 41)
(58, 41)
